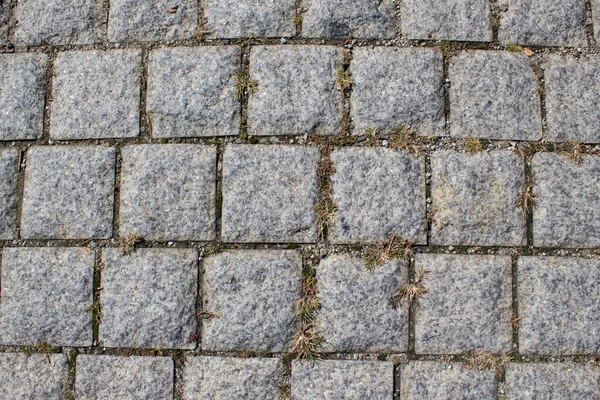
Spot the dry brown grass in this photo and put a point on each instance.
(526, 201)
(344, 78)
(387, 251)
(405, 138)
(573, 150)
(284, 391)
(410, 291)
(128, 243)
(485, 360)
(515, 321)
(307, 342)
(244, 85)
(325, 211)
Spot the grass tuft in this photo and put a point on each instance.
(485, 360)
(307, 342)
(410, 291)
(284, 391)
(325, 211)
(526, 201)
(128, 244)
(386, 251)
(573, 150)
(41, 347)
(244, 85)
(344, 78)
(474, 145)
(513, 47)
(405, 138)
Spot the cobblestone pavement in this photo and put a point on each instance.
(300, 199)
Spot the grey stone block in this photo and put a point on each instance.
(68, 192)
(558, 297)
(4, 16)
(22, 92)
(269, 193)
(468, 304)
(296, 93)
(168, 192)
(46, 296)
(596, 18)
(566, 213)
(191, 91)
(149, 298)
(96, 94)
(474, 198)
(397, 86)
(494, 95)
(379, 193)
(9, 196)
(253, 294)
(32, 377)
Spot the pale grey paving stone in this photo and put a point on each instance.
(474, 198)
(149, 298)
(168, 191)
(468, 304)
(22, 92)
(96, 94)
(191, 91)
(252, 294)
(269, 193)
(33, 376)
(68, 192)
(397, 87)
(379, 193)
(46, 296)
(567, 208)
(133, 378)
(596, 18)
(9, 196)
(494, 95)
(4, 16)
(297, 92)
(342, 380)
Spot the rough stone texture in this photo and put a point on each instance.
(191, 91)
(269, 193)
(46, 296)
(365, 19)
(68, 192)
(494, 95)
(4, 16)
(109, 377)
(559, 298)
(9, 196)
(149, 298)
(168, 192)
(397, 86)
(566, 213)
(342, 380)
(22, 94)
(32, 377)
(258, 18)
(134, 20)
(96, 94)
(468, 304)
(379, 193)
(356, 315)
(596, 18)
(296, 93)
(543, 22)
(253, 294)
(232, 378)
(474, 199)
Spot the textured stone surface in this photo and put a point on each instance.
(46, 294)
(68, 192)
(253, 294)
(474, 199)
(494, 95)
(168, 192)
(566, 213)
(149, 298)
(9, 196)
(596, 18)
(397, 86)
(96, 94)
(296, 92)
(191, 91)
(269, 193)
(22, 94)
(342, 380)
(468, 304)
(32, 377)
(4, 16)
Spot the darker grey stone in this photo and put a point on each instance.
(32, 376)
(9, 196)
(4, 16)
(596, 18)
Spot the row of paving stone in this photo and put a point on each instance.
(192, 93)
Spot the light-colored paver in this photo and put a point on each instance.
(32, 376)
(596, 18)
(9, 196)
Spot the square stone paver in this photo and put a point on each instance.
(297, 92)
(341, 379)
(96, 94)
(356, 314)
(22, 92)
(253, 295)
(474, 198)
(149, 298)
(110, 377)
(558, 297)
(191, 91)
(232, 378)
(68, 192)
(269, 193)
(397, 87)
(494, 95)
(468, 304)
(379, 193)
(46, 296)
(168, 191)
(9, 196)
(32, 376)
(567, 211)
